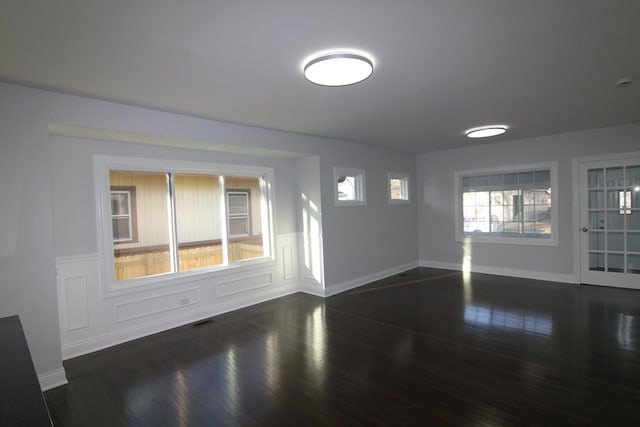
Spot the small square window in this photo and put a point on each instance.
(350, 187)
(398, 188)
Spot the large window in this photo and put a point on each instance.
(166, 219)
(511, 205)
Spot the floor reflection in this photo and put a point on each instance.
(233, 389)
(316, 345)
(625, 330)
(504, 319)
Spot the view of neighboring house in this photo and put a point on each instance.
(205, 221)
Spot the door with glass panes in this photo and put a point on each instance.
(610, 222)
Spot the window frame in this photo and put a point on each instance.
(359, 184)
(460, 235)
(104, 163)
(405, 190)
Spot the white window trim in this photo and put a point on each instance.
(406, 193)
(361, 187)
(102, 166)
(529, 241)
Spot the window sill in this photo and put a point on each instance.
(521, 241)
(350, 203)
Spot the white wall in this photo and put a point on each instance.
(359, 243)
(438, 246)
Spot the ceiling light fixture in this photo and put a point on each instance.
(486, 131)
(338, 69)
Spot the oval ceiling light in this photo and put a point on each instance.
(486, 131)
(338, 69)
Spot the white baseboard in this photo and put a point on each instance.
(361, 281)
(100, 342)
(52, 379)
(524, 274)
(311, 289)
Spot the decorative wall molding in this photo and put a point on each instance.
(52, 379)
(74, 259)
(76, 311)
(119, 336)
(242, 284)
(117, 319)
(149, 306)
(524, 274)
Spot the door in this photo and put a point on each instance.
(610, 222)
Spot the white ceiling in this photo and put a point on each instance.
(442, 66)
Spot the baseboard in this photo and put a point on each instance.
(100, 342)
(523, 274)
(361, 281)
(307, 287)
(52, 379)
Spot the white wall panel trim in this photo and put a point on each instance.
(144, 307)
(52, 379)
(80, 347)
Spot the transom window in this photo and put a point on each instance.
(509, 206)
(398, 187)
(350, 188)
(191, 217)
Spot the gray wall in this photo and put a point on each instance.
(358, 241)
(436, 180)
(73, 187)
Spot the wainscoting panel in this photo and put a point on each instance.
(75, 298)
(153, 305)
(243, 284)
(91, 319)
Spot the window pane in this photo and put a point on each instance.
(150, 254)
(347, 188)
(596, 178)
(244, 209)
(510, 204)
(121, 229)
(119, 203)
(397, 188)
(614, 177)
(198, 221)
(238, 227)
(238, 203)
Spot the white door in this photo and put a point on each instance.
(610, 222)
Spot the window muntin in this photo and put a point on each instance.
(511, 206)
(183, 218)
(398, 188)
(350, 189)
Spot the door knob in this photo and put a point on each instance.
(585, 229)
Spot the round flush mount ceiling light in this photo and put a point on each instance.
(486, 131)
(338, 69)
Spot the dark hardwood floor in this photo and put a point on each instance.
(428, 347)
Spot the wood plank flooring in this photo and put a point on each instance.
(428, 347)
